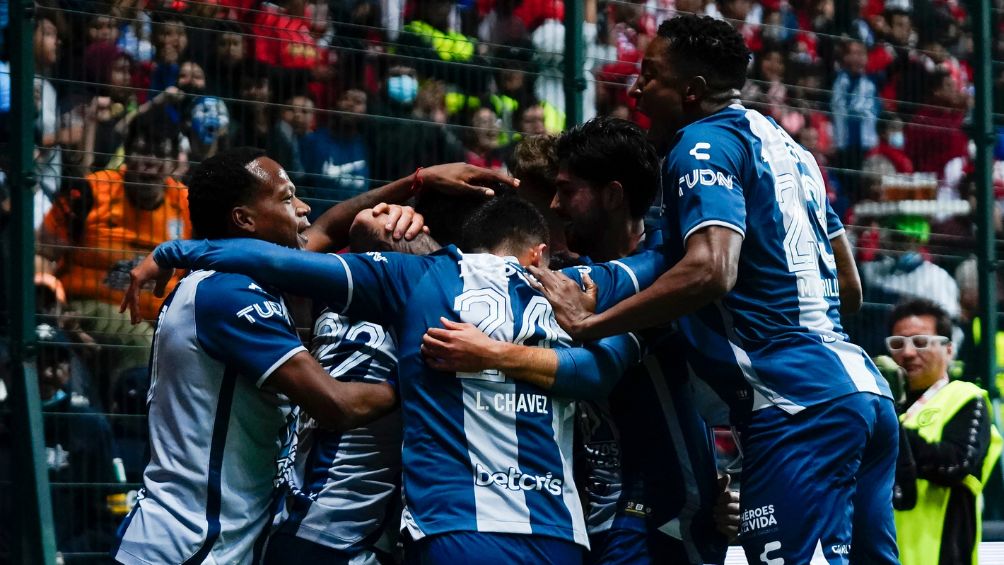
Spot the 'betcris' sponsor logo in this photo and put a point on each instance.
(705, 177)
(514, 479)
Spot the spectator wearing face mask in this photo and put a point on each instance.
(888, 157)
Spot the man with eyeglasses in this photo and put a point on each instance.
(948, 427)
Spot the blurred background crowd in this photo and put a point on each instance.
(350, 94)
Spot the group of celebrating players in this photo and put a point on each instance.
(463, 401)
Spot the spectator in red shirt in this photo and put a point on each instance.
(935, 136)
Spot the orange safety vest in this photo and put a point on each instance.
(115, 237)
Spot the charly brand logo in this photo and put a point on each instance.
(698, 152)
(769, 547)
(514, 479)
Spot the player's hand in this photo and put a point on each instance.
(148, 270)
(459, 347)
(726, 511)
(461, 178)
(573, 307)
(401, 221)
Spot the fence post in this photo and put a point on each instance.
(574, 61)
(35, 540)
(983, 134)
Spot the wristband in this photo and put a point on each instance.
(416, 183)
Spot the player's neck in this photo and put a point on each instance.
(718, 101)
(620, 240)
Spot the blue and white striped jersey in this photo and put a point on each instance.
(216, 430)
(776, 338)
(482, 452)
(345, 484)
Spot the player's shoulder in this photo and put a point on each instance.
(720, 135)
(219, 291)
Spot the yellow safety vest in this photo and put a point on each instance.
(919, 530)
(450, 46)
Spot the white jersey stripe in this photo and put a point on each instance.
(746, 366)
(634, 278)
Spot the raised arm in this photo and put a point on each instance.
(331, 231)
(582, 373)
(372, 286)
(319, 276)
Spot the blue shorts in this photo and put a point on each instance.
(285, 548)
(462, 548)
(817, 486)
(619, 546)
(633, 545)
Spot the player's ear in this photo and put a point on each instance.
(539, 255)
(243, 219)
(613, 196)
(696, 90)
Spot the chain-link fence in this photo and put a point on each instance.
(350, 94)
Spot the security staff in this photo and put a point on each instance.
(948, 427)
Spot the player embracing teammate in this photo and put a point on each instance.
(755, 253)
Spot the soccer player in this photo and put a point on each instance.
(227, 363)
(648, 459)
(342, 503)
(755, 287)
(486, 459)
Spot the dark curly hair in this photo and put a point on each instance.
(604, 150)
(218, 184)
(506, 222)
(922, 307)
(704, 46)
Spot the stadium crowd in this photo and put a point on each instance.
(349, 95)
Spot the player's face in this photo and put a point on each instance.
(277, 214)
(658, 91)
(578, 206)
(923, 366)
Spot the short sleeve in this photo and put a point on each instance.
(380, 283)
(244, 326)
(704, 169)
(617, 280)
(834, 227)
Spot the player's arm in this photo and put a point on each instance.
(706, 273)
(582, 373)
(331, 231)
(847, 275)
(232, 329)
(711, 208)
(847, 271)
(334, 404)
(366, 287)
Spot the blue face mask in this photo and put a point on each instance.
(402, 89)
(896, 139)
